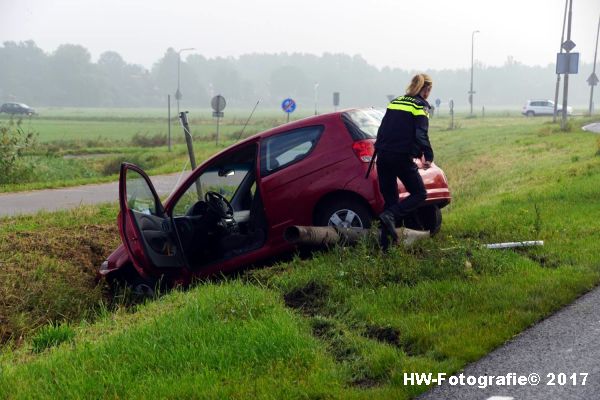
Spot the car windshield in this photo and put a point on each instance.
(224, 179)
(363, 124)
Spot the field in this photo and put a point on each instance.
(75, 146)
(343, 323)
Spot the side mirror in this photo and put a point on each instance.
(226, 172)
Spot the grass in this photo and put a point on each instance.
(346, 323)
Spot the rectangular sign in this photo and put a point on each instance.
(218, 114)
(567, 63)
(336, 99)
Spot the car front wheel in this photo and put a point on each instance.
(343, 213)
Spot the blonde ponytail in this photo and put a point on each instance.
(417, 83)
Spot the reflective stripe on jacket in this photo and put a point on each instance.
(404, 128)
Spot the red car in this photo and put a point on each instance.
(233, 209)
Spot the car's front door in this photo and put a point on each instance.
(147, 233)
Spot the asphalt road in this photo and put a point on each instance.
(566, 343)
(59, 199)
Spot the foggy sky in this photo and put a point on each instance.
(413, 35)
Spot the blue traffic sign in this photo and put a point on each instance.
(288, 105)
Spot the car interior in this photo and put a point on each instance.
(221, 214)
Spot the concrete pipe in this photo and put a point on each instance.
(328, 235)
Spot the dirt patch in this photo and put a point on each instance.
(543, 260)
(385, 334)
(49, 275)
(338, 343)
(85, 247)
(309, 299)
(365, 383)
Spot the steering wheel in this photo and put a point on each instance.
(218, 204)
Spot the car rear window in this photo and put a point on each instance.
(287, 148)
(363, 124)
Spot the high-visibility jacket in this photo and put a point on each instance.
(404, 128)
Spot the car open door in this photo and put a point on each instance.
(146, 231)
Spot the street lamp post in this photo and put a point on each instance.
(316, 92)
(178, 93)
(471, 92)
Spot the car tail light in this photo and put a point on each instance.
(364, 150)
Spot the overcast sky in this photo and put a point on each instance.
(413, 35)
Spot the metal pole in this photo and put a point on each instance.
(472, 52)
(178, 93)
(218, 118)
(563, 122)
(316, 92)
(169, 120)
(562, 39)
(594, 69)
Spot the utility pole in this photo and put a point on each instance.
(563, 122)
(471, 92)
(562, 39)
(178, 93)
(593, 79)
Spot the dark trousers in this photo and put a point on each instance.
(391, 166)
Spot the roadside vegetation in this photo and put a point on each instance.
(67, 147)
(343, 323)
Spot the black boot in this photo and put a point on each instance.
(388, 225)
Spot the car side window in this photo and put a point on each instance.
(287, 148)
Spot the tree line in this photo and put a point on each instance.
(69, 77)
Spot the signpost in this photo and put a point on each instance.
(169, 120)
(437, 105)
(451, 105)
(562, 39)
(288, 106)
(593, 79)
(336, 100)
(568, 45)
(218, 104)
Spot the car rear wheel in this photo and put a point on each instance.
(530, 113)
(344, 213)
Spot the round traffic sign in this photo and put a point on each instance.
(288, 105)
(438, 102)
(451, 104)
(218, 103)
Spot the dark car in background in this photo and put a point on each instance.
(16, 108)
(233, 209)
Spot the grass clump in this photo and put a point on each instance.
(51, 336)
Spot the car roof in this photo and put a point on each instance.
(321, 119)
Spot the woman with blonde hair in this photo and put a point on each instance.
(403, 136)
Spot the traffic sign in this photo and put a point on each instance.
(451, 104)
(438, 102)
(218, 114)
(568, 45)
(567, 63)
(218, 103)
(178, 95)
(336, 99)
(288, 105)
(593, 79)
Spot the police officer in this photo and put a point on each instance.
(403, 136)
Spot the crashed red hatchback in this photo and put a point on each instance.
(233, 209)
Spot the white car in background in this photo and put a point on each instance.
(542, 107)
